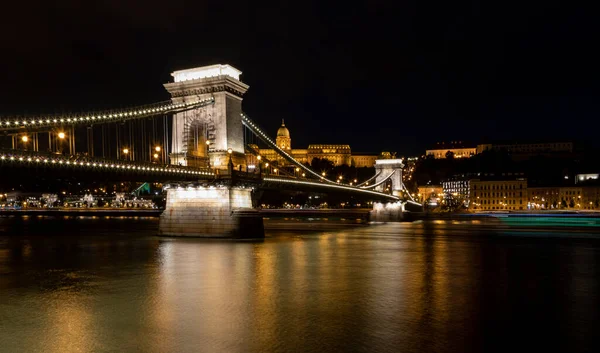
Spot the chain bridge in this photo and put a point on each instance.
(197, 144)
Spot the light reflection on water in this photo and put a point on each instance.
(108, 285)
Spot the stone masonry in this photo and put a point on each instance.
(223, 212)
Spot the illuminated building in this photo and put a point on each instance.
(432, 194)
(456, 147)
(564, 197)
(364, 160)
(498, 194)
(337, 154)
(457, 188)
(461, 151)
(580, 178)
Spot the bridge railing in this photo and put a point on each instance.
(30, 158)
(100, 117)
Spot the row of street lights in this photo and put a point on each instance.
(156, 154)
(61, 136)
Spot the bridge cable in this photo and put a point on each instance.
(369, 180)
(261, 135)
(379, 182)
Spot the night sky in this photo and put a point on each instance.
(378, 75)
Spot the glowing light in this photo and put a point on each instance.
(156, 155)
(157, 148)
(61, 135)
(125, 150)
(205, 72)
(24, 138)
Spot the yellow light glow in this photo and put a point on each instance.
(125, 150)
(61, 135)
(157, 148)
(229, 150)
(24, 138)
(156, 155)
(258, 157)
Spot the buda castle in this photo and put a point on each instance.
(337, 154)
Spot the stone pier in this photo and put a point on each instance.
(210, 212)
(387, 212)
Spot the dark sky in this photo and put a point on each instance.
(378, 75)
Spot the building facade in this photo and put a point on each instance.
(459, 150)
(456, 147)
(337, 154)
(564, 198)
(491, 195)
(528, 147)
(430, 194)
(457, 188)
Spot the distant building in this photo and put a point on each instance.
(528, 148)
(564, 197)
(580, 178)
(337, 154)
(430, 194)
(461, 150)
(457, 188)
(364, 160)
(493, 195)
(456, 147)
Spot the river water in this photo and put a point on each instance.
(109, 285)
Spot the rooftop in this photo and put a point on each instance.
(206, 71)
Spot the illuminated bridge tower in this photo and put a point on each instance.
(204, 136)
(388, 169)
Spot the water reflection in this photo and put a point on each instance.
(430, 286)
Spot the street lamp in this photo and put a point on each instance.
(155, 156)
(230, 163)
(25, 139)
(126, 152)
(61, 135)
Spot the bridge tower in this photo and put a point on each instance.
(386, 167)
(202, 137)
(218, 124)
(389, 211)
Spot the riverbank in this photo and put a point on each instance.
(82, 212)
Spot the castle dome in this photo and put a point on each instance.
(283, 131)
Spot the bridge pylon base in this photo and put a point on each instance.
(387, 212)
(211, 212)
